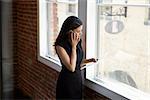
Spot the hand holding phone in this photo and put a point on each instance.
(91, 60)
(73, 38)
(69, 34)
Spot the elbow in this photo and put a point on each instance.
(72, 70)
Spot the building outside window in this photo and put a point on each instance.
(122, 44)
(56, 11)
(71, 8)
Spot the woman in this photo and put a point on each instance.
(69, 50)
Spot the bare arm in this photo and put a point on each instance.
(69, 62)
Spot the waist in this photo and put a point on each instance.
(66, 70)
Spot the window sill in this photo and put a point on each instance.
(115, 92)
(50, 62)
(110, 90)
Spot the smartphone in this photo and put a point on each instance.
(69, 34)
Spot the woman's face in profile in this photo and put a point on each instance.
(78, 31)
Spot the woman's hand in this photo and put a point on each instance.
(90, 60)
(75, 38)
(86, 61)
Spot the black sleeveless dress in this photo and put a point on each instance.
(69, 84)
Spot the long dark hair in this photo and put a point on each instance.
(71, 23)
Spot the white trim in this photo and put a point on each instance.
(50, 62)
(92, 84)
(91, 29)
(42, 28)
(121, 4)
(120, 91)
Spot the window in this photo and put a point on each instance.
(71, 8)
(56, 15)
(52, 13)
(114, 34)
(122, 45)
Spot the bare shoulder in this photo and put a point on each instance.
(63, 55)
(60, 49)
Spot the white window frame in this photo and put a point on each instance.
(102, 86)
(42, 39)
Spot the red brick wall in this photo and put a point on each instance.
(32, 77)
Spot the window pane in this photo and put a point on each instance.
(124, 45)
(57, 13)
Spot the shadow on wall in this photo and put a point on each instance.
(7, 48)
(0, 52)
